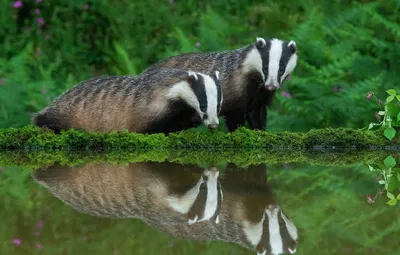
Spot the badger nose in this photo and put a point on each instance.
(212, 126)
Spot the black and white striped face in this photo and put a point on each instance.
(276, 60)
(203, 201)
(204, 94)
(274, 234)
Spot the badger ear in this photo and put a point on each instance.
(217, 74)
(261, 43)
(192, 76)
(292, 46)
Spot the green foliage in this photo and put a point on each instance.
(390, 178)
(391, 115)
(345, 50)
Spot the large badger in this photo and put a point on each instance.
(162, 101)
(249, 77)
(183, 200)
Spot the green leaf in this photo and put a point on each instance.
(381, 113)
(389, 99)
(390, 195)
(389, 133)
(398, 197)
(398, 177)
(391, 92)
(392, 202)
(398, 117)
(371, 168)
(381, 182)
(398, 97)
(389, 161)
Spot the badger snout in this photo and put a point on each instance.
(212, 126)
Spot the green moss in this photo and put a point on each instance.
(34, 138)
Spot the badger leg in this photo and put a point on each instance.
(235, 119)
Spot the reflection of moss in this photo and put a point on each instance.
(241, 158)
(33, 138)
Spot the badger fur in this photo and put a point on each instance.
(164, 100)
(249, 77)
(183, 200)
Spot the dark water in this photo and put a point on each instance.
(169, 208)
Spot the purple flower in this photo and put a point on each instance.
(369, 200)
(17, 242)
(38, 1)
(18, 4)
(86, 6)
(40, 224)
(337, 88)
(377, 116)
(37, 11)
(40, 21)
(369, 95)
(37, 233)
(286, 94)
(39, 246)
(198, 44)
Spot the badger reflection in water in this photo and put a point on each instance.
(183, 200)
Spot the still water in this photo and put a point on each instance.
(170, 208)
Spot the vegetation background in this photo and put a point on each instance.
(346, 49)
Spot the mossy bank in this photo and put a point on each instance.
(33, 138)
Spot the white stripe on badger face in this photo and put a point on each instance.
(290, 66)
(275, 237)
(183, 91)
(275, 54)
(290, 227)
(212, 194)
(253, 61)
(212, 100)
(182, 204)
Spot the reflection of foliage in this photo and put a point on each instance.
(391, 115)
(390, 178)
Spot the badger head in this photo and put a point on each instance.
(274, 59)
(203, 93)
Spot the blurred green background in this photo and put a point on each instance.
(346, 49)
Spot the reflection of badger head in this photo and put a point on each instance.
(274, 234)
(203, 201)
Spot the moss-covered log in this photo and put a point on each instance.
(34, 138)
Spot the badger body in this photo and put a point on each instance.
(249, 77)
(183, 200)
(165, 100)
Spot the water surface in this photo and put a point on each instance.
(170, 208)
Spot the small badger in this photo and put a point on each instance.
(162, 101)
(183, 200)
(249, 77)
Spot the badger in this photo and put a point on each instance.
(249, 77)
(180, 200)
(162, 101)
